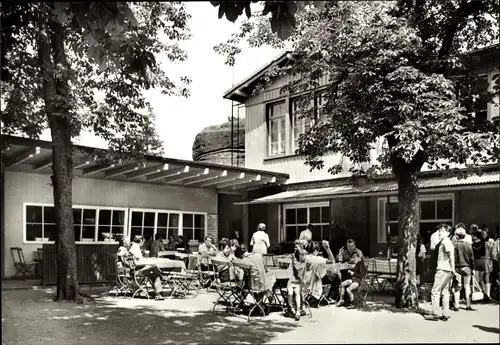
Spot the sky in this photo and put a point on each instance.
(178, 120)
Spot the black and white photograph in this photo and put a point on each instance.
(250, 172)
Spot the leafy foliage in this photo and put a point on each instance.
(384, 80)
(283, 13)
(111, 51)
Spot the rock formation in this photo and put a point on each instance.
(213, 144)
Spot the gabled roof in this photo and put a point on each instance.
(243, 89)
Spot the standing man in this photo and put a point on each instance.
(306, 234)
(464, 265)
(445, 271)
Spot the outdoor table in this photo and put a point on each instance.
(162, 263)
(165, 253)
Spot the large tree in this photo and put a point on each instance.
(74, 67)
(390, 69)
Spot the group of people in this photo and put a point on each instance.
(159, 244)
(305, 250)
(459, 255)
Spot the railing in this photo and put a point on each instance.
(92, 262)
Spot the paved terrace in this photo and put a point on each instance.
(30, 317)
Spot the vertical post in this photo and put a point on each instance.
(232, 132)
(2, 205)
(245, 224)
(238, 138)
(332, 230)
(388, 225)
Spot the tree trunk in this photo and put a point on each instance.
(406, 282)
(55, 98)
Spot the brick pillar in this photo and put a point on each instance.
(212, 227)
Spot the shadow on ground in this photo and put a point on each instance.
(112, 321)
(488, 329)
(386, 303)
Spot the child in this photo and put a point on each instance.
(294, 283)
(353, 283)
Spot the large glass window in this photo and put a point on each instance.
(90, 224)
(148, 223)
(297, 219)
(277, 127)
(433, 210)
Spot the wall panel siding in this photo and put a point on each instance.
(35, 188)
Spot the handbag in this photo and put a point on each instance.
(477, 293)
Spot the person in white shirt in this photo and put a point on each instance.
(445, 271)
(434, 239)
(152, 272)
(260, 240)
(306, 234)
(135, 248)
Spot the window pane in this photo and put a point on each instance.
(88, 232)
(427, 210)
(135, 231)
(118, 217)
(89, 216)
(198, 234)
(315, 215)
(274, 131)
(316, 232)
(199, 221)
(188, 234)
(49, 231)
(393, 211)
(393, 232)
(76, 229)
(302, 216)
(33, 214)
(187, 220)
(77, 216)
(136, 218)
(290, 216)
(148, 232)
(325, 214)
(326, 232)
(104, 217)
(162, 232)
(290, 233)
(274, 149)
(117, 230)
(49, 215)
(103, 231)
(163, 219)
(149, 219)
(33, 232)
(444, 209)
(173, 221)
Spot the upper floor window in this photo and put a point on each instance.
(300, 123)
(276, 115)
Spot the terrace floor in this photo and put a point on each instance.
(30, 317)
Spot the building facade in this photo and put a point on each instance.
(166, 196)
(338, 208)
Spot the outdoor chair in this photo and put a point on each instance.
(370, 281)
(227, 291)
(385, 271)
(259, 297)
(123, 283)
(23, 268)
(183, 283)
(206, 278)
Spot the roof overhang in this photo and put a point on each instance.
(435, 184)
(241, 91)
(35, 156)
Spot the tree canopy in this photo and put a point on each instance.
(111, 52)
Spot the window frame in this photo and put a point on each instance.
(281, 121)
(96, 225)
(382, 213)
(156, 211)
(317, 101)
(307, 206)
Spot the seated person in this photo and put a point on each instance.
(152, 272)
(146, 244)
(323, 249)
(156, 246)
(354, 280)
(294, 283)
(347, 256)
(172, 243)
(181, 245)
(226, 272)
(258, 269)
(124, 260)
(206, 249)
(233, 244)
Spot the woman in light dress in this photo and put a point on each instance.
(260, 240)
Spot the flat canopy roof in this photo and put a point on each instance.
(27, 155)
(442, 183)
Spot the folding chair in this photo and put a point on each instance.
(23, 267)
(183, 282)
(205, 278)
(259, 297)
(141, 280)
(226, 290)
(369, 282)
(123, 283)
